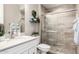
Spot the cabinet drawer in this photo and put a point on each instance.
(16, 49)
(22, 48)
(32, 50)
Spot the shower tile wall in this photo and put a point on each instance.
(43, 33)
(62, 23)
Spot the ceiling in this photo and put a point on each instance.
(50, 6)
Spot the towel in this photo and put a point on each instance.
(76, 31)
(76, 38)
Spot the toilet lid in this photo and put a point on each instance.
(44, 46)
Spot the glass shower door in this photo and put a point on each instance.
(58, 28)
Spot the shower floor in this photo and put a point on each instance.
(63, 49)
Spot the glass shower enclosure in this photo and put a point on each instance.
(57, 30)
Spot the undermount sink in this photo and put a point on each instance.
(18, 37)
(2, 39)
(22, 37)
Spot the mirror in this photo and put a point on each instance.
(1, 20)
(14, 13)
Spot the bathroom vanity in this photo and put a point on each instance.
(20, 45)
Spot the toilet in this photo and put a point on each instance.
(44, 48)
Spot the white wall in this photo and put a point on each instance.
(30, 27)
(1, 14)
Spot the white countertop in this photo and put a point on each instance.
(12, 42)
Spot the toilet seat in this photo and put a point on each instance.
(44, 46)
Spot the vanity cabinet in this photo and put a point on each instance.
(33, 50)
(28, 47)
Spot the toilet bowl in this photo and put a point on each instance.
(44, 48)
